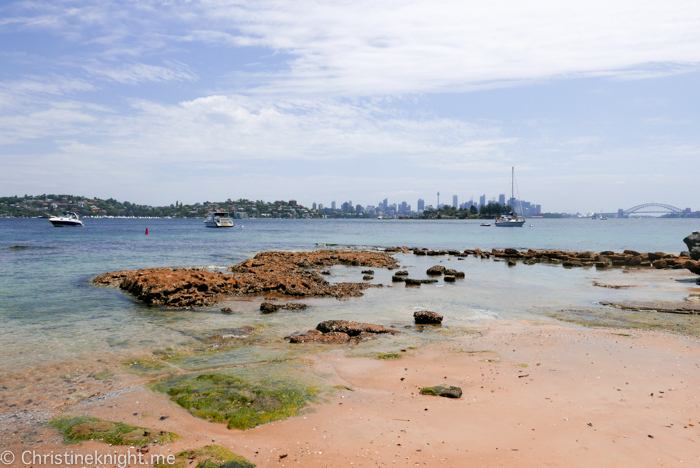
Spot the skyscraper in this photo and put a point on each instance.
(455, 203)
(333, 205)
(502, 200)
(482, 200)
(421, 204)
(385, 203)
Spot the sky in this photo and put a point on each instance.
(595, 103)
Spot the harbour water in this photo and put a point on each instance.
(51, 313)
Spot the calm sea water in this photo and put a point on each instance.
(50, 312)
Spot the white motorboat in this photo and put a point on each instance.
(218, 219)
(69, 219)
(511, 219)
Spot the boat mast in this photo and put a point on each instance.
(512, 178)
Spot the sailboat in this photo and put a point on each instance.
(511, 219)
(602, 215)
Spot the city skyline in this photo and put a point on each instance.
(365, 101)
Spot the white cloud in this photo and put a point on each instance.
(366, 47)
(137, 73)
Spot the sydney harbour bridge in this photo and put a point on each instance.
(646, 209)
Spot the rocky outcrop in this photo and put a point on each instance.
(418, 282)
(686, 307)
(177, 288)
(693, 243)
(443, 391)
(401, 273)
(283, 273)
(426, 317)
(340, 331)
(269, 308)
(353, 328)
(315, 336)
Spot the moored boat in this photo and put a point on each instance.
(511, 219)
(69, 219)
(218, 219)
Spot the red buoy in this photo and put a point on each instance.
(146, 231)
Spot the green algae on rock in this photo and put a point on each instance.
(239, 398)
(80, 428)
(389, 356)
(145, 367)
(441, 390)
(209, 456)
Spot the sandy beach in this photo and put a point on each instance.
(534, 395)
(621, 391)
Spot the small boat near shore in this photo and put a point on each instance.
(218, 219)
(485, 224)
(69, 219)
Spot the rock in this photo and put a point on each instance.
(659, 264)
(426, 317)
(655, 256)
(315, 336)
(601, 265)
(693, 266)
(634, 253)
(401, 273)
(455, 273)
(443, 391)
(607, 252)
(367, 272)
(693, 243)
(511, 263)
(418, 282)
(352, 328)
(419, 252)
(634, 261)
(511, 252)
(295, 306)
(436, 270)
(367, 277)
(269, 308)
(685, 253)
(226, 310)
(325, 272)
(397, 279)
(449, 279)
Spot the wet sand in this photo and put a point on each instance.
(586, 398)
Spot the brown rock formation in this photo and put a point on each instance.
(278, 272)
(426, 317)
(340, 331)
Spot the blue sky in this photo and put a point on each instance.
(595, 103)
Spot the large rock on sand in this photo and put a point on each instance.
(693, 243)
(443, 391)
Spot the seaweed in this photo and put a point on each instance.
(145, 367)
(76, 429)
(389, 356)
(241, 401)
(209, 456)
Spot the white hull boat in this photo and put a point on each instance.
(218, 220)
(68, 219)
(511, 219)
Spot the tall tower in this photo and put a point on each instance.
(455, 202)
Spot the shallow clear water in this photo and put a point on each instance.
(50, 311)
